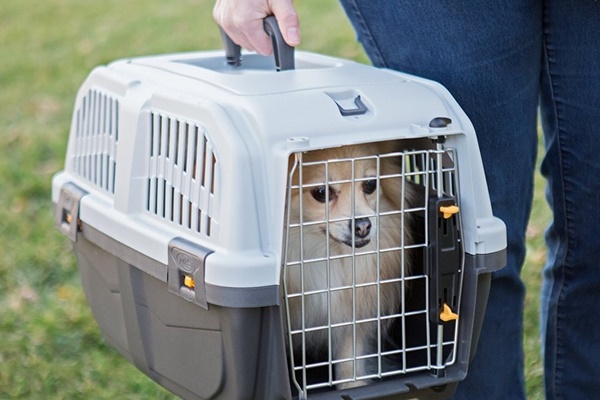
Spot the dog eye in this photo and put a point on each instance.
(320, 194)
(369, 186)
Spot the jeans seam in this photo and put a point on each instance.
(374, 54)
(557, 366)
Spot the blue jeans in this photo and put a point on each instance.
(503, 61)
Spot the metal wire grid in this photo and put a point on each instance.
(435, 171)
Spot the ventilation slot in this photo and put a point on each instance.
(183, 174)
(96, 138)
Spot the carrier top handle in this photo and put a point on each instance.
(283, 53)
(233, 52)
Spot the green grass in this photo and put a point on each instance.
(531, 274)
(50, 347)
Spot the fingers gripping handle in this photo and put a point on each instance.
(283, 53)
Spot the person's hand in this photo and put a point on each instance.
(242, 20)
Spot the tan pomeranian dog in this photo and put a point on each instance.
(345, 258)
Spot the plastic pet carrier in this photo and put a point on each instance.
(323, 231)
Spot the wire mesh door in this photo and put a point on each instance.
(356, 285)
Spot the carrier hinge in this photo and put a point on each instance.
(445, 260)
(186, 271)
(444, 269)
(66, 214)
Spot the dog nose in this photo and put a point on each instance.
(362, 227)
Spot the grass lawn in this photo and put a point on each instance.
(50, 347)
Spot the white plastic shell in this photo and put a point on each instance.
(185, 146)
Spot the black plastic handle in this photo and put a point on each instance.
(283, 53)
(233, 52)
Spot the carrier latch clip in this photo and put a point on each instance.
(66, 213)
(186, 271)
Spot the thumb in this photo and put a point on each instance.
(287, 17)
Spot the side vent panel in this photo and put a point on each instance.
(183, 174)
(96, 139)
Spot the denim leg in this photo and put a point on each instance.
(488, 55)
(570, 104)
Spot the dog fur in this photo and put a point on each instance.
(354, 227)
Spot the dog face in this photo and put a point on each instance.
(342, 197)
(348, 205)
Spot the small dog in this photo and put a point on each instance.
(345, 256)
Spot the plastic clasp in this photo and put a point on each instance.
(349, 103)
(447, 314)
(186, 271)
(448, 211)
(66, 214)
(359, 108)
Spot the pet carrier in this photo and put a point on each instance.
(320, 232)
